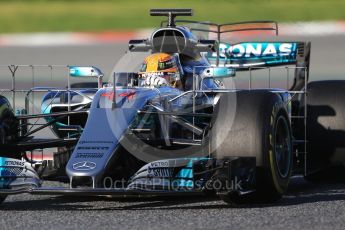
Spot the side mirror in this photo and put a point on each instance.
(207, 45)
(218, 72)
(85, 71)
(139, 46)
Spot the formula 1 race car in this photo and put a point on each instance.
(185, 112)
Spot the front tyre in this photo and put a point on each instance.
(261, 129)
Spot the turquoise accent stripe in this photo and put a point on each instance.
(187, 174)
(2, 163)
(252, 52)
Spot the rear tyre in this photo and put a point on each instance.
(260, 129)
(326, 131)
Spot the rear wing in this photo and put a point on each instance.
(254, 55)
(250, 55)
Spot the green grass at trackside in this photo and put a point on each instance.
(100, 15)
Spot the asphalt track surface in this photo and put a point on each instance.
(305, 206)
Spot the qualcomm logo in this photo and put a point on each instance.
(84, 166)
(255, 49)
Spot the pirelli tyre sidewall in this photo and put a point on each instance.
(274, 174)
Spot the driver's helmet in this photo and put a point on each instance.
(160, 69)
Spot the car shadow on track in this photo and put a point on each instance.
(300, 192)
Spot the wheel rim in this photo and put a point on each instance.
(282, 147)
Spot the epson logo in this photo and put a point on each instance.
(255, 50)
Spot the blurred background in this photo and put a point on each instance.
(103, 15)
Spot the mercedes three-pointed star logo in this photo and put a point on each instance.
(84, 165)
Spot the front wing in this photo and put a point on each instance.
(159, 178)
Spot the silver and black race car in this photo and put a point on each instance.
(238, 123)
